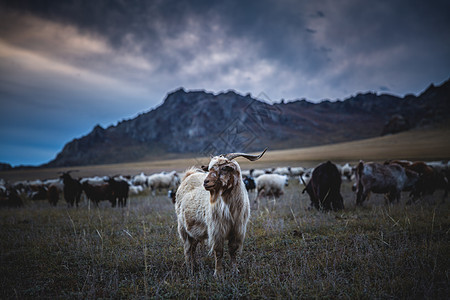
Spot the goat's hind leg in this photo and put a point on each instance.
(190, 244)
(218, 255)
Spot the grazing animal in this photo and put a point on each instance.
(135, 189)
(256, 173)
(98, 192)
(441, 166)
(72, 189)
(9, 197)
(172, 195)
(297, 171)
(390, 179)
(163, 181)
(282, 171)
(306, 176)
(212, 204)
(324, 187)
(249, 182)
(140, 179)
(53, 194)
(38, 191)
(119, 192)
(347, 171)
(430, 179)
(271, 184)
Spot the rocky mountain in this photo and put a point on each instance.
(201, 123)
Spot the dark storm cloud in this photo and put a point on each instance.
(288, 33)
(276, 28)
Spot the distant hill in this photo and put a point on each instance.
(201, 123)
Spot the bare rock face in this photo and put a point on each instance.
(200, 123)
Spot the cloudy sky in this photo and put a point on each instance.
(66, 66)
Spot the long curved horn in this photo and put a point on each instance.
(251, 157)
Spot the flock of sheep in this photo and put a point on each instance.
(212, 203)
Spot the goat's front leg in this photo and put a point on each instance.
(234, 246)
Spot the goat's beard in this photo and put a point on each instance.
(214, 194)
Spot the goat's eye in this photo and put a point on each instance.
(226, 168)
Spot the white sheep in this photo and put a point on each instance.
(255, 173)
(96, 180)
(245, 173)
(282, 171)
(140, 179)
(271, 184)
(347, 171)
(135, 189)
(440, 166)
(306, 176)
(297, 171)
(163, 181)
(214, 206)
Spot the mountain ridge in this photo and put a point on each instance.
(203, 123)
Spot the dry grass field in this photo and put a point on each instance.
(373, 251)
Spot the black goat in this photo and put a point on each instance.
(324, 187)
(119, 190)
(249, 183)
(10, 198)
(97, 193)
(72, 189)
(53, 195)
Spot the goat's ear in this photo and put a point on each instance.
(204, 168)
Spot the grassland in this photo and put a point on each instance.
(374, 251)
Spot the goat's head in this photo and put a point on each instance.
(65, 176)
(224, 173)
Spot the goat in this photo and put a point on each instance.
(388, 179)
(72, 189)
(430, 179)
(249, 182)
(10, 198)
(98, 192)
(38, 191)
(324, 187)
(53, 194)
(214, 206)
(119, 191)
